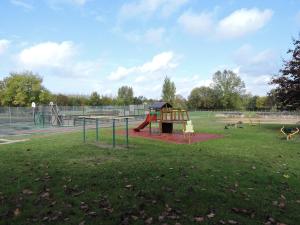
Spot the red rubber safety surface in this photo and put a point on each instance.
(177, 138)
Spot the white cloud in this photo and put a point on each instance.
(198, 24)
(22, 3)
(160, 62)
(50, 54)
(172, 6)
(256, 63)
(121, 72)
(242, 22)
(57, 59)
(149, 7)
(239, 23)
(256, 67)
(4, 44)
(185, 84)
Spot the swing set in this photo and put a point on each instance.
(289, 132)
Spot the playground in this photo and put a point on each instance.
(246, 175)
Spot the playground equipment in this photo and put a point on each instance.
(56, 118)
(98, 120)
(239, 124)
(188, 130)
(289, 132)
(147, 121)
(164, 114)
(47, 115)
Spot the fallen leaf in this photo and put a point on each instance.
(45, 195)
(232, 222)
(134, 217)
(149, 220)
(199, 219)
(27, 192)
(211, 215)
(92, 213)
(161, 218)
(17, 212)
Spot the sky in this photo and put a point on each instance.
(81, 46)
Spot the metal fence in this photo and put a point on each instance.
(22, 118)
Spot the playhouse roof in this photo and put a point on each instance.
(160, 105)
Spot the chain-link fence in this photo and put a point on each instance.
(15, 119)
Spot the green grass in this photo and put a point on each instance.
(248, 176)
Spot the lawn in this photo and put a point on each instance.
(251, 176)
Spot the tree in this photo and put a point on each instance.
(261, 102)
(61, 99)
(94, 99)
(125, 95)
(251, 103)
(106, 100)
(168, 91)
(45, 97)
(180, 102)
(20, 89)
(202, 98)
(287, 91)
(272, 100)
(229, 88)
(139, 100)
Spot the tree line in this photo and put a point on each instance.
(227, 91)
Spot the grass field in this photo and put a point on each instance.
(251, 176)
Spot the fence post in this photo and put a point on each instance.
(114, 133)
(9, 110)
(127, 141)
(84, 137)
(97, 129)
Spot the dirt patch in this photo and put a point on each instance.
(177, 138)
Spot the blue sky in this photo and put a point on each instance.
(80, 46)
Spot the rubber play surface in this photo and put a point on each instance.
(177, 138)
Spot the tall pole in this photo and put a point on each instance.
(127, 141)
(114, 133)
(84, 137)
(97, 129)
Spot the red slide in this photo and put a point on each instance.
(146, 122)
